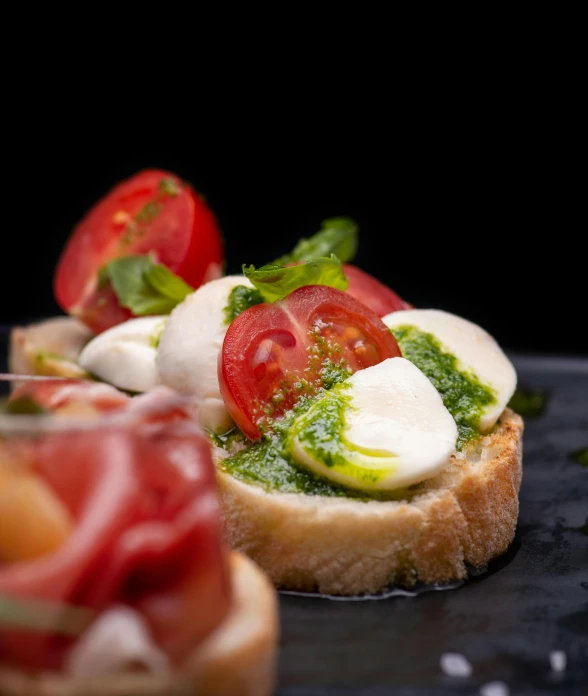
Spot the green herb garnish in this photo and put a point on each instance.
(337, 236)
(275, 282)
(143, 286)
(155, 337)
(24, 406)
(148, 212)
(168, 187)
(227, 440)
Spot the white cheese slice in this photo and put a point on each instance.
(125, 354)
(393, 429)
(190, 344)
(476, 352)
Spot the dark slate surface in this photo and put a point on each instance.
(506, 621)
(531, 601)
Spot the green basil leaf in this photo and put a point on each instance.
(42, 616)
(337, 236)
(168, 284)
(145, 287)
(275, 282)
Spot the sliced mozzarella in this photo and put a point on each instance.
(189, 348)
(125, 354)
(118, 640)
(394, 430)
(476, 352)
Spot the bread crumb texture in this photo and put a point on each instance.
(464, 516)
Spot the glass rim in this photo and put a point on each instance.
(30, 423)
(13, 424)
(37, 423)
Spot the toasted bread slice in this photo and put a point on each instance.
(239, 658)
(49, 348)
(464, 516)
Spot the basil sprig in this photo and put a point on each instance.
(274, 282)
(337, 236)
(143, 286)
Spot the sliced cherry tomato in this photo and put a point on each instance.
(275, 353)
(375, 295)
(152, 212)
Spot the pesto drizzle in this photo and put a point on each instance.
(324, 434)
(581, 456)
(462, 392)
(240, 299)
(270, 465)
(529, 403)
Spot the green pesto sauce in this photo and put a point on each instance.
(43, 355)
(168, 187)
(270, 465)
(529, 403)
(240, 299)
(464, 396)
(155, 338)
(325, 361)
(25, 405)
(229, 439)
(320, 429)
(581, 456)
(320, 432)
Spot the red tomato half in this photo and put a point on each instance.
(375, 295)
(153, 211)
(274, 353)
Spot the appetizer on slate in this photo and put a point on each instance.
(359, 441)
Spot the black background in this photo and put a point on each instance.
(466, 205)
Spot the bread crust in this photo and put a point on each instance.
(466, 515)
(239, 657)
(59, 340)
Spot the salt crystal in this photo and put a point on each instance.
(455, 665)
(558, 660)
(495, 688)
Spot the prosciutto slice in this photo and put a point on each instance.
(147, 533)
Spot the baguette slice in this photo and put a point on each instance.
(238, 659)
(466, 515)
(49, 348)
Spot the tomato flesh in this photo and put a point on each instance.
(152, 212)
(373, 294)
(273, 354)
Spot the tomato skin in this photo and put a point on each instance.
(273, 354)
(375, 295)
(140, 215)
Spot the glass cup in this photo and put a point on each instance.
(103, 508)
